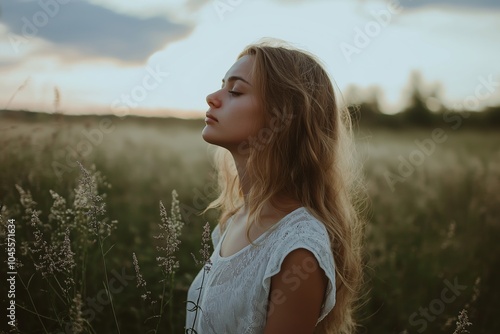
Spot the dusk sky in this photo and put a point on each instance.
(153, 56)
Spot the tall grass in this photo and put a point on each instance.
(60, 254)
(438, 225)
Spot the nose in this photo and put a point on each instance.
(213, 101)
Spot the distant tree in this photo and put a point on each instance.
(363, 105)
(492, 116)
(417, 112)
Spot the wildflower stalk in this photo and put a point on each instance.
(32, 302)
(207, 264)
(83, 280)
(140, 280)
(196, 305)
(99, 227)
(57, 316)
(171, 303)
(161, 305)
(462, 323)
(55, 290)
(50, 256)
(75, 314)
(35, 313)
(106, 284)
(170, 231)
(58, 295)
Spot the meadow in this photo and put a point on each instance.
(433, 222)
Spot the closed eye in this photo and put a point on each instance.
(234, 93)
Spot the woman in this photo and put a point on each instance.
(287, 253)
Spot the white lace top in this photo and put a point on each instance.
(235, 291)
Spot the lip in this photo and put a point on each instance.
(210, 116)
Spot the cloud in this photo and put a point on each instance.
(89, 29)
(482, 4)
(420, 3)
(195, 5)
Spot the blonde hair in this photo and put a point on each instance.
(305, 150)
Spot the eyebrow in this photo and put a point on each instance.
(234, 78)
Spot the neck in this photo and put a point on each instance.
(281, 202)
(245, 182)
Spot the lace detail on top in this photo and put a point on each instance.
(234, 297)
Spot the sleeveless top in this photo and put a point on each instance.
(235, 292)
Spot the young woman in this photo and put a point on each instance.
(287, 249)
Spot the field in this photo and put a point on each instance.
(433, 221)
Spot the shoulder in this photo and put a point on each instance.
(301, 266)
(303, 228)
(308, 235)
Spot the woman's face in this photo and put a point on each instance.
(235, 108)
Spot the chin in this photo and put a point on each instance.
(214, 137)
(207, 136)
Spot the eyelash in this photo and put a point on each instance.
(233, 93)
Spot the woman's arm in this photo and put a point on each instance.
(296, 295)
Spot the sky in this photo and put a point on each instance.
(156, 57)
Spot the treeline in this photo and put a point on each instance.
(366, 114)
(424, 108)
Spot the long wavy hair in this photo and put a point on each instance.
(304, 150)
